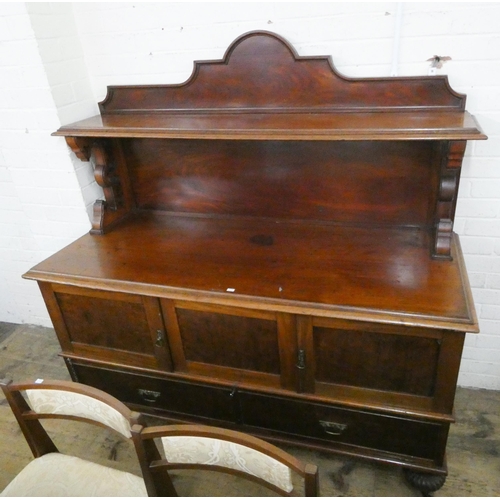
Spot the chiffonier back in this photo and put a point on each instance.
(267, 133)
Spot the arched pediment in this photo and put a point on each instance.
(262, 72)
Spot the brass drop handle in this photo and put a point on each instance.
(149, 396)
(333, 428)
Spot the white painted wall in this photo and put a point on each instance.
(56, 60)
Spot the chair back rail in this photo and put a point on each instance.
(238, 446)
(27, 416)
(59, 474)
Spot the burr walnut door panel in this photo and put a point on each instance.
(231, 343)
(120, 328)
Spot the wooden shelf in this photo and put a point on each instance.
(263, 90)
(373, 274)
(436, 125)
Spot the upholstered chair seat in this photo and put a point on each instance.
(59, 475)
(54, 474)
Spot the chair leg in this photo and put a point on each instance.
(167, 487)
(147, 452)
(311, 481)
(34, 433)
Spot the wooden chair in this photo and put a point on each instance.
(212, 448)
(55, 474)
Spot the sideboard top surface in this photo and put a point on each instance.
(380, 274)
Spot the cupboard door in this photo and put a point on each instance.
(375, 360)
(235, 344)
(384, 364)
(116, 327)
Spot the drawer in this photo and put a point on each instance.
(183, 398)
(374, 431)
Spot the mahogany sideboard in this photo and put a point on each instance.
(275, 253)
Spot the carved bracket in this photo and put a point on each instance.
(105, 176)
(98, 211)
(447, 198)
(80, 146)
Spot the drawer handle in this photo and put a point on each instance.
(333, 428)
(149, 396)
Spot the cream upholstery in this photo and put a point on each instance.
(58, 475)
(209, 451)
(54, 474)
(78, 405)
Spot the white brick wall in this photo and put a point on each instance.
(41, 203)
(83, 47)
(63, 59)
